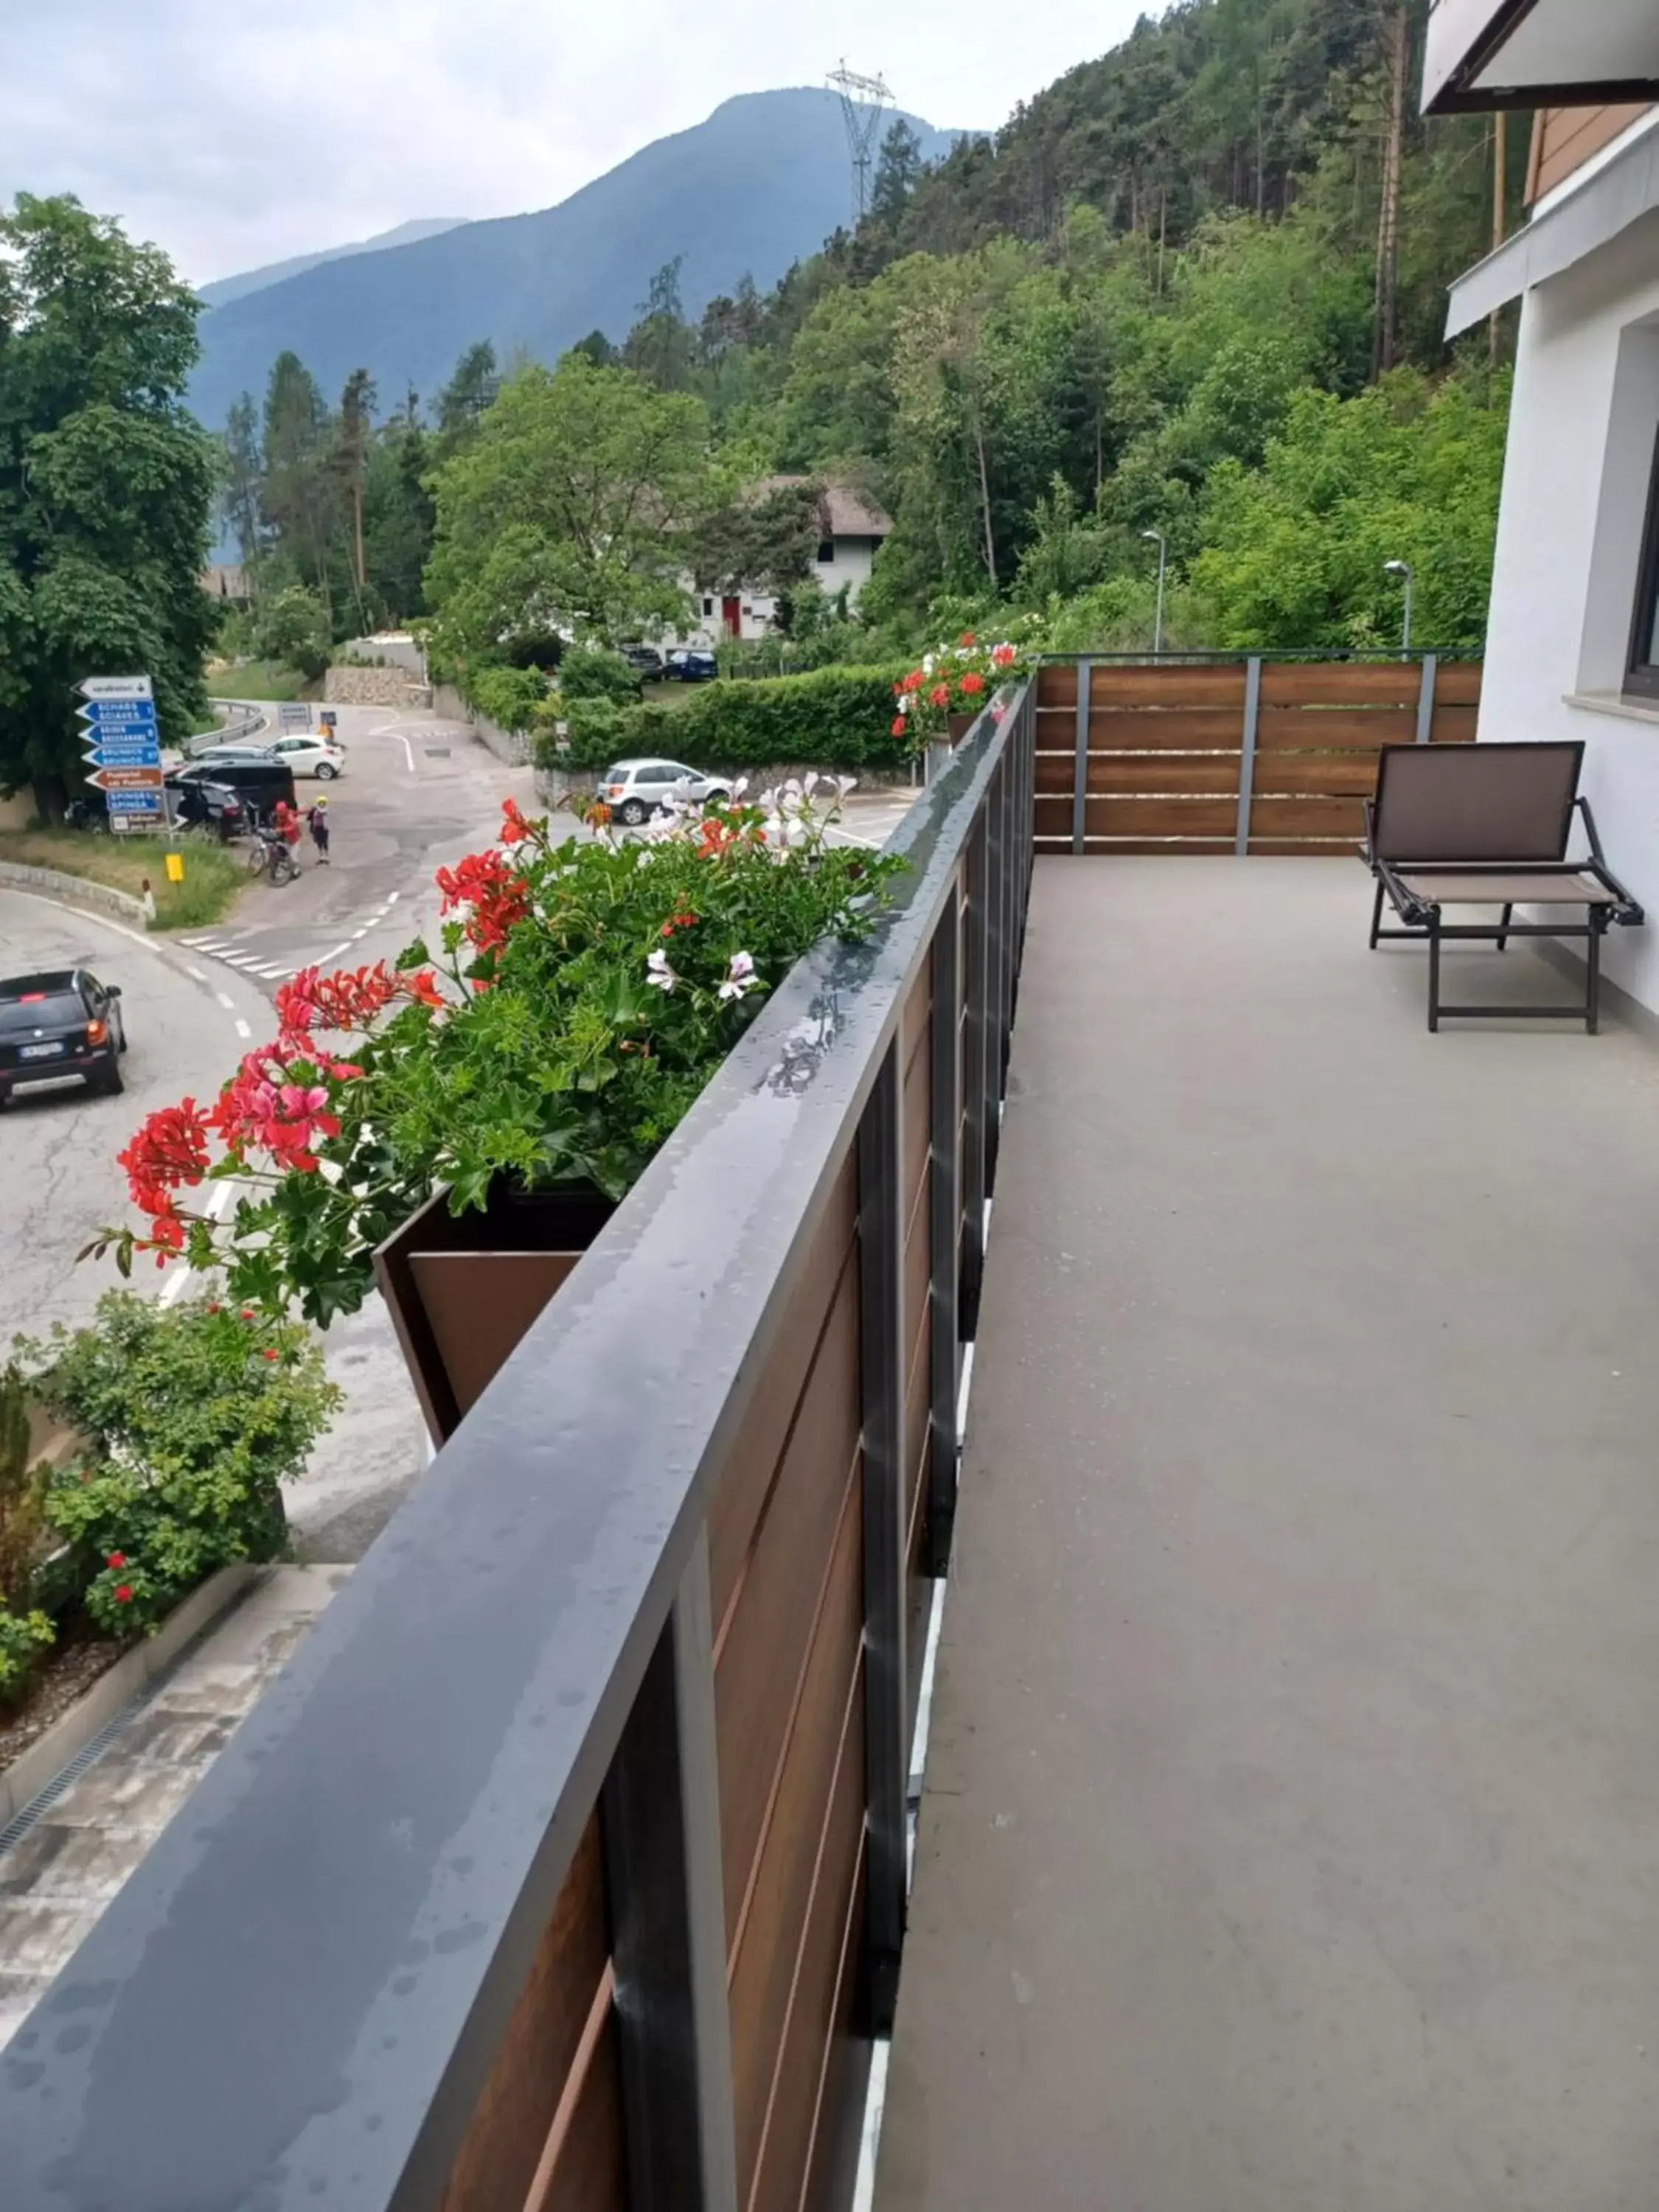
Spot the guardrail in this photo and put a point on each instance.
(565, 1864)
(244, 717)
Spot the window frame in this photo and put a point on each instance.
(1642, 658)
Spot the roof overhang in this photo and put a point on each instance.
(1487, 54)
(1588, 217)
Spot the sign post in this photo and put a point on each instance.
(123, 747)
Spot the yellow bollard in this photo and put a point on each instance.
(175, 867)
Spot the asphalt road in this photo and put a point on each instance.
(417, 793)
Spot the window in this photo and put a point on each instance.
(708, 606)
(1642, 674)
(826, 551)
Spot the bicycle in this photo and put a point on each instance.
(270, 856)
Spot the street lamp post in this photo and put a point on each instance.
(1403, 568)
(1157, 538)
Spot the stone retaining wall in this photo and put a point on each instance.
(76, 890)
(373, 687)
(506, 744)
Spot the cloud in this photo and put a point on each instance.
(233, 136)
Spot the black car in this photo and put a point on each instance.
(198, 802)
(257, 779)
(689, 664)
(644, 660)
(61, 1023)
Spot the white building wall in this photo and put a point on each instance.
(850, 563)
(1581, 453)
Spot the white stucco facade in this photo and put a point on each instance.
(843, 562)
(1581, 455)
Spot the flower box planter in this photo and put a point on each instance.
(462, 1289)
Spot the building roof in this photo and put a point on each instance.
(844, 511)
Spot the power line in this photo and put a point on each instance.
(863, 101)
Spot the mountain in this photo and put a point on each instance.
(224, 289)
(762, 182)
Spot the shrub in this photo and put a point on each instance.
(832, 718)
(23, 1638)
(25, 1631)
(506, 696)
(192, 1416)
(590, 672)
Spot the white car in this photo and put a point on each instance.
(633, 789)
(306, 754)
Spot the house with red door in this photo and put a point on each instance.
(851, 531)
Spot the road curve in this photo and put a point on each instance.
(58, 1180)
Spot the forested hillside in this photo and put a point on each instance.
(1193, 290)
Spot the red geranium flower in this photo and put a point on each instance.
(514, 827)
(124, 1594)
(899, 726)
(497, 896)
(940, 696)
(1001, 655)
(973, 684)
(247, 1313)
(423, 988)
(968, 637)
(116, 1559)
(269, 1353)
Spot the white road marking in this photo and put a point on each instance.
(334, 951)
(356, 933)
(393, 897)
(229, 1004)
(242, 1029)
(197, 973)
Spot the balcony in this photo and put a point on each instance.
(1288, 1832)
(1483, 54)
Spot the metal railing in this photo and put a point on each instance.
(345, 1974)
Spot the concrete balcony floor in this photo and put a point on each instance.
(1290, 1841)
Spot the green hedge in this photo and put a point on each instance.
(833, 718)
(506, 696)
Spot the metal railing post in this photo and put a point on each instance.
(1080, 773)
(943, 1226)
(887, 1751)
(996, 863)
(1247, 757)
(976, 970)
(1425, 698)
(662, 1839)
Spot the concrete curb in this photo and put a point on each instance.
(75, 891)
(39, 1766)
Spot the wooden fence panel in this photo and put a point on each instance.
(533, 2091)
(1169, 686)
(1168, 750)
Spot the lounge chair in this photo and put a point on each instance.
(1488, 825)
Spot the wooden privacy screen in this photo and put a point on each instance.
(1257, 756)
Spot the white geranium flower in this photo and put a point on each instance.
(659, 975)
(740, 977)
(844, 784)
(812, 783)
(739, 786)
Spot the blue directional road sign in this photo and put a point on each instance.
(122, 733)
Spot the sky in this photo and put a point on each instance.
(234, 132)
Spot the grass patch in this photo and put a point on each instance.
(255, 679)
(670, 694)
(213, 874)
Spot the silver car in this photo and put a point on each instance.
(635, 789)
